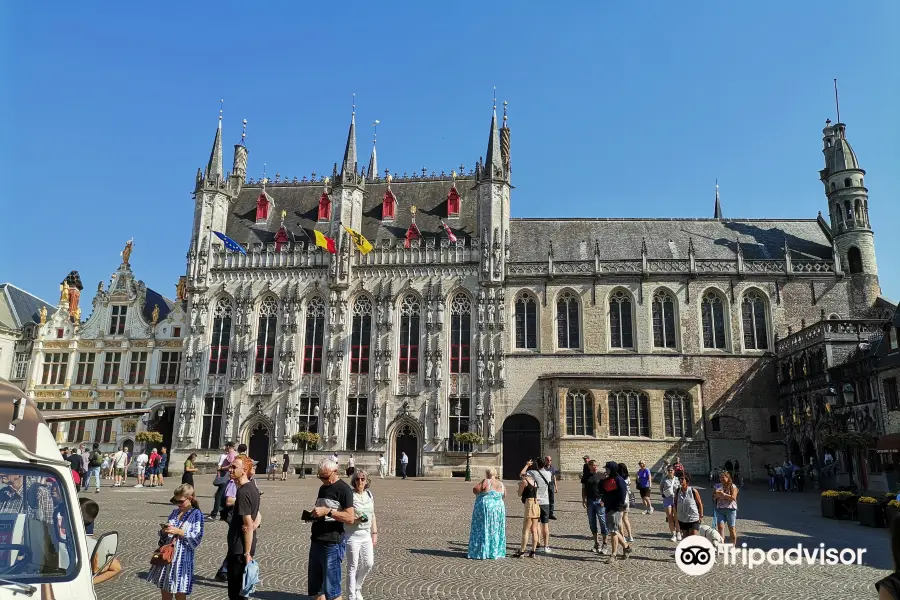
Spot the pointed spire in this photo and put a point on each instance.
(373, 160)
(214, 167)
(494, 163)
(349, 165)
(717, 212)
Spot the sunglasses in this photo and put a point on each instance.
(178, 500)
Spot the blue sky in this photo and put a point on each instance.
(616, 109)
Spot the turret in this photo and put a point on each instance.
(239, 166)
(493, 193)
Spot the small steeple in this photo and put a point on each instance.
(717, 211)
(504, 141)
(494, 162)
(349, 165)
(214, 167)
(373, 160)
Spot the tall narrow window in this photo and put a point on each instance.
(220, 343)
(265, 336)
(55, 367)
(76, 432)
(459, 422)
(579, 413)
(85, 373)
(169, 368)
(460, 333)
(112, 362)
(753, 313)
(137, 368)
(103, 433)
(567, 321)
(309, 414)
(526, 322)
(117, 318)
(620, 334)
(357, 411)
(629, 414)
(453, 202)
(890, 393)
(361, 335)
(409, 336)
(678, 413)
(712, 310)
(21, 367)
(211, 432)
(388, 204)
(663, 320)
(324, 208)
(315, 334)
(854, 260)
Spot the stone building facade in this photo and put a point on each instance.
(125, 355)
(624, 339)
(19, 316)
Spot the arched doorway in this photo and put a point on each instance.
(258, 448)
(795, 456)
(128, 446)
(809, 452)
(408, 442)
(521, 441)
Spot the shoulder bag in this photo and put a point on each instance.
(165, 553)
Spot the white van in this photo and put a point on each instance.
(43, 551)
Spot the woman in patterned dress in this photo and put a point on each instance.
(185, 526)
(487, 538)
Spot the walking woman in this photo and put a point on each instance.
(185, 528)
(643, 485)
(667, 487)
(285, 464)
(361, 536)
(725, 495)
(629, 500)
(688, 507)
(487, 536)
(189, 470)
(531, 519)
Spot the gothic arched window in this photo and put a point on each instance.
(221, 337)
(712, 312)
(620, 332)
(409, 336)
(314, 335)
(629, 414)
(526, 322)
(679, 414)
(579, 413)
(265, 336)
(361, 335)
(460, 333)
(567, 326)
(753, 316)
(663, 320)
(854, 260)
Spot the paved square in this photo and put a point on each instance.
(424, 528)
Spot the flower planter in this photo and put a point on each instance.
(889, 513)
(830, 508)
(870, 515)
(847, 511)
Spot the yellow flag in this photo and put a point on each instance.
(362, 244)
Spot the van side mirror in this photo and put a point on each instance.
(104, 552)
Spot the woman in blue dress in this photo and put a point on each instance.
(185, 527)
(487, 538)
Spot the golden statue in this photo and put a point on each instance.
(100, 287)
(181, 288)
(154, 316)
(43, 312)
(64, 291)
(77, 316)
(126, 253)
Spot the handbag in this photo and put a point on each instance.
(221, 478)
(165, 553)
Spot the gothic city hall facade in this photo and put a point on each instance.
(618, 338)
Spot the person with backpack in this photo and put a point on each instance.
(95, 461)
(153, 466)
(615, 497)
(688, 507)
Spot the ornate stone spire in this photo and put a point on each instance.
(717, 211)
(494, 162)
(214, 167)
(349, 165)
(373, 160)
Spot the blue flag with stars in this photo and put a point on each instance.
(230, 244)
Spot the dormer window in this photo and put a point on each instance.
(263, 204)
(388, 206)
(453, 202)
(281, 238)
(324, 207)
(117, 316)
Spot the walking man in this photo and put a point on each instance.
(334, 509)
(591, 489)
(95, 460)
(554, 485)
(141, 468)
(242, 528)
(118, 465)
(404, 462)
(615, 495)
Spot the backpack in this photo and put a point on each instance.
(96, 459)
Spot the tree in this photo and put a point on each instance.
(469, 438)
(305, 439)
(149, 437)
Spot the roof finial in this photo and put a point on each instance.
(504, 112)
(717, 210)
(495, 98)
(353, 112)
(243, 132)
(264, 179)
(222, 107)
(837, 104)
(375, 131)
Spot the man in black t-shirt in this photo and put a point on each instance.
(242, 528)
(591, 494)
(334, 508)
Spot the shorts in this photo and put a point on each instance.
(324, 573)
(667, 502)
(151, 470)
(140, 470)
(645, 491)
(532, 510)
(686, 528)
(613, 521)
(726, 515)
(284, 468)
(120, 471)
(545, 513)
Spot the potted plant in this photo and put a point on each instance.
(830, 504)
(149, 437)
(891, 510)
(870, 511)
(469, 438)
(838, 504)
(304, 440)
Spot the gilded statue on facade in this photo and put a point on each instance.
(126, 252)
(43, 312)
(181, 288)
(154, 316)
(64, 291)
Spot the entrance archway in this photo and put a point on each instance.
(258, 448)
(795, 456)
(809, 451)
(521, 441)
(408, 442)
(128, 446)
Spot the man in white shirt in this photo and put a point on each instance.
(382, 466)
(141, 468)
(118, 465)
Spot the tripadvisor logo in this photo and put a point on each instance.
(696, 555)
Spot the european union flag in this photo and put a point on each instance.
(230, 244)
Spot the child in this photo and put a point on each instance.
(89, 512)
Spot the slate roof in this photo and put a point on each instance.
(301, 201)
(21, 307)
(152, 299)
(574, 239)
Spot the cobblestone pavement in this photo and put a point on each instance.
(424, 527)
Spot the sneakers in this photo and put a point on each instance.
(548, 550)
(626, 552)
(646, 512)
(97, 491)
(679, 536)
(596, 549)
(604, 550)
(651, 510)
(674, 538)
(138, 485)
(629, 539)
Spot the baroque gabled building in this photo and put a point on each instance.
(626, 339)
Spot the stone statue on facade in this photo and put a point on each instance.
(189, 367)
(436, 372)
(379, 313)
(479, 368)
(429, 365)
(491, 425)
(243, 362)
(501, 370)
(377, 369)
(229, 416)
(182, 417)
(292, 367)
(376, 417)
(491, 311)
